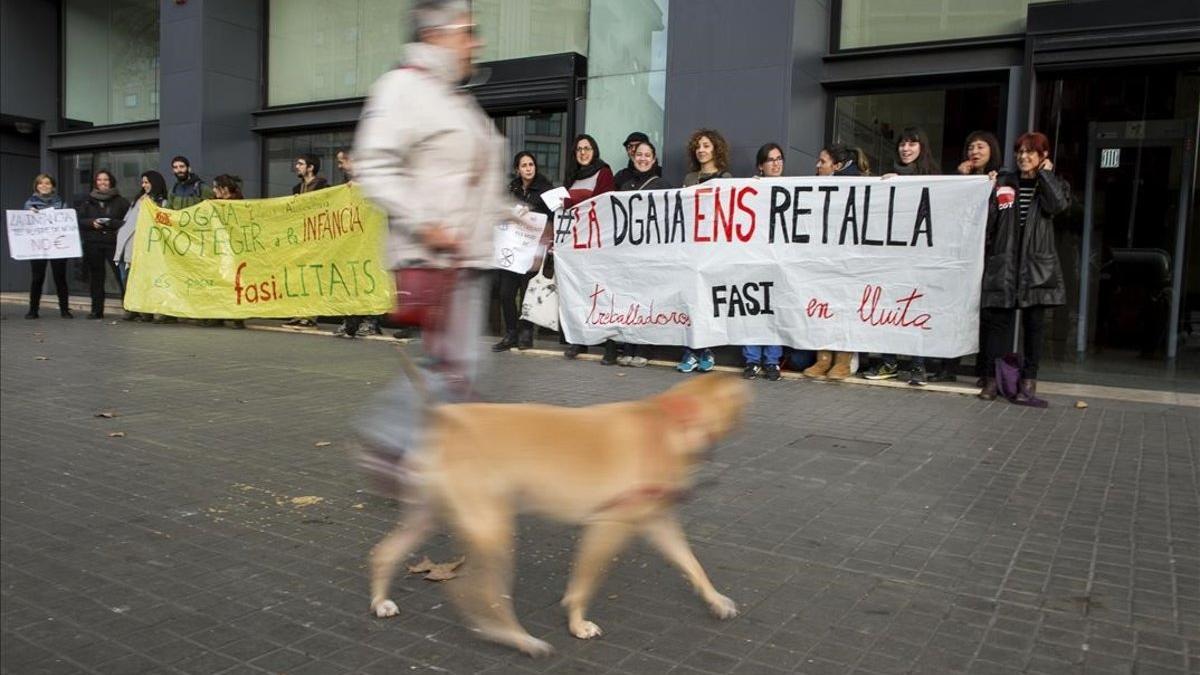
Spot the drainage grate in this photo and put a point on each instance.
(840, 446)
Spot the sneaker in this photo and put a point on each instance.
(707, 362)
(506, 343)
(365, 330)
(624, 360)
(916, 376)
(751, 371)
(402, 334)
(294, 322)
(943, 376)
(340, 331)
(688, 364)
(373, 327)
(307, 323)
(239, 324)
(773, 373)
(638, 361)
(608, 359)
(884, 371)
(573, 350)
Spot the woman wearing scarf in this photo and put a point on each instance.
(591, 176)
(526, 187)
(154, 188)
(45, 197)
(100, 214)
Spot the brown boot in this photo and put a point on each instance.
(841, 366)
(817, 370)
(988, 393)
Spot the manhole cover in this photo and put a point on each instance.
(840, 446)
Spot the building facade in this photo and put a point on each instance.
(244, 86)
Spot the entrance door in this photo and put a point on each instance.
(1138, 190)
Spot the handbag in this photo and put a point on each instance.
(1009, 385)
(540, 305)
(421, 295)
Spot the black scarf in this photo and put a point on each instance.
(582, 172)
(103, 195)
(638, 179)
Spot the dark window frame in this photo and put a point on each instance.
(837, 51)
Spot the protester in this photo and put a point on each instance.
(188, 189)
(227, 186)
(1021, 265)
(154, 189)
(440, 213)
(981, 157)
(100, 215)
(765, 358)
(834, 160)
(307, 167)
(632, 141)
(45, 196)
(914, 157)
(526, 187)
(646, 175)
(590, 176)
(355, 325)
(708, 158)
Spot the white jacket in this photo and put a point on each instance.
(427, 154)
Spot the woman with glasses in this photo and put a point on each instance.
(1021, 269)
(764, 359)
(590, 176)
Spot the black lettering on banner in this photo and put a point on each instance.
(677, 222)
(849, 219)
(828, 190)
(797, 237)
(866, 217)
(562, 229)
(620, 225)
(892, 212)
(778, 208)
(638, 227)
(749, 299)
(652, 220)
(923, 216)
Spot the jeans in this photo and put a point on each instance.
(765, 355)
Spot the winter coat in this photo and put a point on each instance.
(1021, 266)
(88, 209)
(188, 192)
(318, 183)
(585, 188)
(638, 181)
(37, 202)
(128, 227)
(625, 175)
(696, 177)
(531, 196)
(426, 153)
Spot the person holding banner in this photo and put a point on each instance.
(913, 158)
(45, 196)
(765, 358)
(154, 188)
(591, 176)
(708, 158)
(646, 175)
(227, 186)
(526, 187)
(100, 215)
(1021, 268)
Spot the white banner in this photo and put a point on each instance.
(45, 234)
(841, 263)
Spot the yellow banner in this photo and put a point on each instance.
(316, 254)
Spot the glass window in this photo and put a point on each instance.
(873, 122)
(323, 50)
(75, 181)
(518, 28)
(283, 149)
(874, 23)
(627, 74)
(539, 133)
(110, 51)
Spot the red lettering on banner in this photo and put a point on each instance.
(744, 235)
(265, 291)
(633, 315)
(593, 239)
(818, 309)
(870, 313)
(698, 216)
(723, 221)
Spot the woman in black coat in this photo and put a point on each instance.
(100, 214)
(526, 187)
(1021, 269)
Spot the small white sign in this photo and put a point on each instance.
(516, 242)
(554, 198)
(43, 235)
(1110, 158)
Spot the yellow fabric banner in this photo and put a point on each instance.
(316, 254)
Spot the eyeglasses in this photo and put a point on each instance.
(1027, 151)
(468, 27)
(583, 148)
(774, 160)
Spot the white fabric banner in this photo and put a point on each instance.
(841, 263)
(42, 235)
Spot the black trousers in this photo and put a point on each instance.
(98, 257)
(38, 280)
(997, 326)
(512, 288)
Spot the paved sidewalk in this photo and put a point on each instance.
(861, 529)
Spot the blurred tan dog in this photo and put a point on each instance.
(617, 469)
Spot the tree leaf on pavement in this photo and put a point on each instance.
(322, 444)
(106, 414)
(41, 358)
(116, 434)
(1080, 404)
(437, 571)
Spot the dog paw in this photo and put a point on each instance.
(385, 609)
(586, 630)
(534, 647)
(722, 607)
